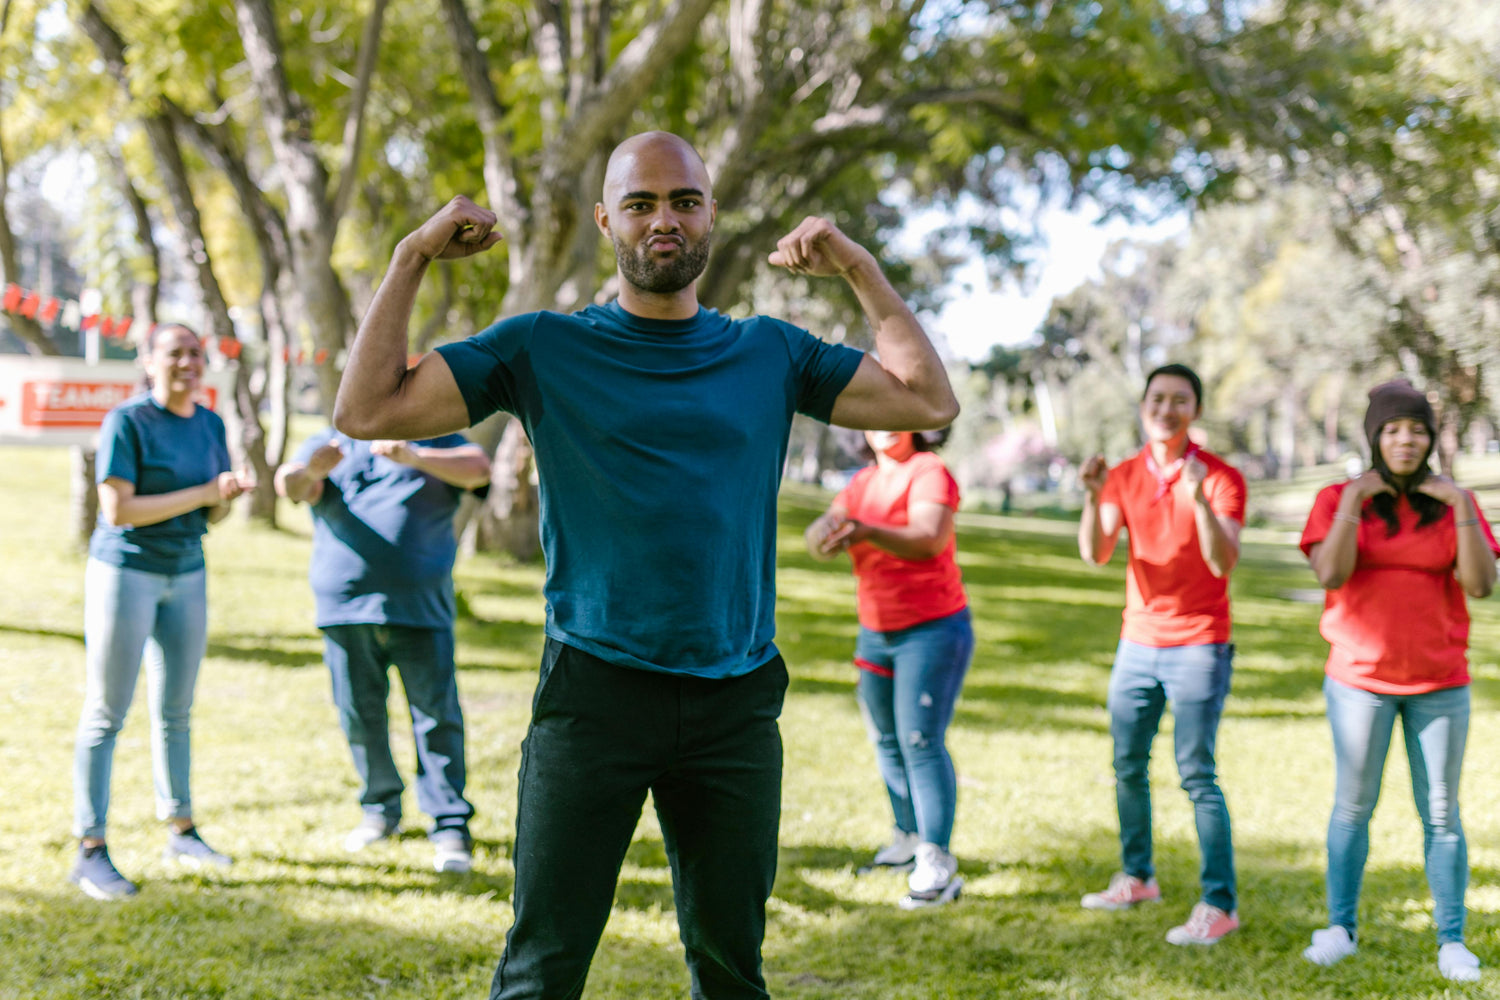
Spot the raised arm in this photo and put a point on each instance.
(379, 396)
(1099, 527)
(1218, 536)
(301, 483)
(465, 466)
(1475, 565)
(1333, 559)
(907, 389)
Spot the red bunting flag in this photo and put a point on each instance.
(49, 311)
(320, 356)
(107, 327)
(12, 298)
(30, 304)
(88, 322)
(286, 354)
(301, 357)
(122, 329)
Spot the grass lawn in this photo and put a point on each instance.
(297, 917)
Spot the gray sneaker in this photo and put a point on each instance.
(372, 828)
(188, 848)
(97, 876)
(453, 850)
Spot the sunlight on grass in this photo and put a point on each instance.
(297, 917)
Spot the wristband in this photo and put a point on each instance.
(1339, 515)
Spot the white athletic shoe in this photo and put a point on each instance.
(1329, 945)
(1458, 963)
(934, 881)
(899, 853)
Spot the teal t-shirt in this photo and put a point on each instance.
(659, 448)
(157, 451)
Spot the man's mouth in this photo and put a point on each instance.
(664, 243)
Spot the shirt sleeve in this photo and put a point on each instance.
(119, 454)
(1319, 519)
(445, 441)
(486, 366)
(1225, 490)
(823, 371)
(934, 484)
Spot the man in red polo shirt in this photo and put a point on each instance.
(1183, 509)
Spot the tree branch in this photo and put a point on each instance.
(354, 124)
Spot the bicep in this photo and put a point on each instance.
(875, 399)
(1110, 519)
(427, 404)
(931, 520)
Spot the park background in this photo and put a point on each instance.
(1310, 200)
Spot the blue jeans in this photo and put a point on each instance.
(127, 613)
(1196, 681)
(359, 658)
(907, 706)
(1435, 726)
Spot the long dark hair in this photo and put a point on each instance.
(1429, 509)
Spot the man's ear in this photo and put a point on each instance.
(601, 218)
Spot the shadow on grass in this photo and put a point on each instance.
(41, 633)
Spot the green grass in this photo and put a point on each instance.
(296, 917)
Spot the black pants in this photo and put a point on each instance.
(709, 751)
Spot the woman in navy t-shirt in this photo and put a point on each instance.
(163, 472)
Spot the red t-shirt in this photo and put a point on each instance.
(1171, 597)
(1400, 623)
(894, 593)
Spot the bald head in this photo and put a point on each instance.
(648, 154)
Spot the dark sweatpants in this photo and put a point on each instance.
(709, 751)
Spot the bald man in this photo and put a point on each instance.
(660, 430)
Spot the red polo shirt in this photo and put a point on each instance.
(894, 593)
(1171, 597)
(1400, 623)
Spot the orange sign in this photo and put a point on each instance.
(70, 404)
(64, 400)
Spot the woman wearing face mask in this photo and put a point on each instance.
(163, 472)
(895, 519)
(1397, 550)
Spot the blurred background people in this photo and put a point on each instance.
(164, 476)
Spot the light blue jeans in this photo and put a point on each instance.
(1196, 681)
(1435, 726)
(907, 708)
(127, 613)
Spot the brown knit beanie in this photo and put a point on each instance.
(1391, 401)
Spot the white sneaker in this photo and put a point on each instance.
(899, 853)
(1329, 945)
(935, 879)
(1458, 963)
(371, 829)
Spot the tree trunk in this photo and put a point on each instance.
(85, 497)
(509, 518)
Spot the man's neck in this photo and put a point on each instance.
(653, 305)
(1166, 452)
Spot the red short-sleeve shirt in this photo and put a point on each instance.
(1400, 623)
(1171, 596)
(894, 593)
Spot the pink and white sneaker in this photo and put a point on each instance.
(1124, 892)
(1205, 925)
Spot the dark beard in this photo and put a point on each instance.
(676, 274)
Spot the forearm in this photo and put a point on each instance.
(298, 484)
(468, 468)
(905, 541)
(1094, 544)
(903, 346)
(1334, 558)
(375, 372)
(154, 508)
(1475, 567)
(1219, 551)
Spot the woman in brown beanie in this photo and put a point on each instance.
(1397, 549)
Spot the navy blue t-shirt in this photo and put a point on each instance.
(659, 447)
(383, 545)
(157, 451)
